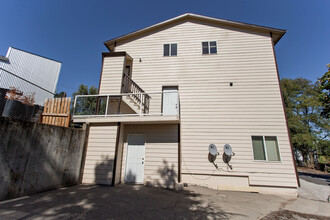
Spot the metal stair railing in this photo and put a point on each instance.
(139, 95)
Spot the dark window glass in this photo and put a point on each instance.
(205, 46)
(213, 47)
(166, 49)
(173, 49)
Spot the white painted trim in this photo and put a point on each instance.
(123, 115)
(121, 94)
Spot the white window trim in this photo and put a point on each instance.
(209, 47)
(170, 50)
(265, 149)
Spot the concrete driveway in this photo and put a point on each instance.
(141, 202)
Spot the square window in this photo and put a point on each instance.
(265, 148)
(209, 47)
(170, 50)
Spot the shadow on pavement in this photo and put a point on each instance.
(103, 202)
(122, 201)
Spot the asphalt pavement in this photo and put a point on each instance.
(320, 179)
(141, 202)
(194, 202)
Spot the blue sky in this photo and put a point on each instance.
(73, 31)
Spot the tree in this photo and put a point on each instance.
(60, 94)
(85, 105)
(303, 108)
(84, 90)
(323, 86)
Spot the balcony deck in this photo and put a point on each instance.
(133, 119)
(130, 108)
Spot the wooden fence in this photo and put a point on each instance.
(57, 112)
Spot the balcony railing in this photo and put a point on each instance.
(127, 104)
(138, 94)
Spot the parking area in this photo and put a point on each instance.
(129, 201)
(141, 202)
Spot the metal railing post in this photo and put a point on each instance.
(74, 105)
(106, 106)
(140, 104)
(178, 109)
(144, 104)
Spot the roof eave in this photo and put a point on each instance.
(279, 38)
(280, 32)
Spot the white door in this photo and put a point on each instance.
(135, 159)
(170, 101)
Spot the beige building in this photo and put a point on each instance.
(170, 90)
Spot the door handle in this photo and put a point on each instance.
(142, 162)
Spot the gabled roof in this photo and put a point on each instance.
(275, 33)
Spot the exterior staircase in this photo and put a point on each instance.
(136, 97)
(132, 104)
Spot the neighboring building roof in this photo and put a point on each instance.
(31, 73)
(35, 54)
(2, 58)
(275, 33)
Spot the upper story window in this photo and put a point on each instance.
(170, 50)
(265, 148)
(209, 47)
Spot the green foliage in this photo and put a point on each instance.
(59, 94)
(303, 109)
(323, 86)
(83, 90)
(85, 105)
(324, 149)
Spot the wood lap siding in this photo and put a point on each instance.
(211, 110)
(100, 154)
(161, 154)
(112, 73)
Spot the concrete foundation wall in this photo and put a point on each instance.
(37, 157)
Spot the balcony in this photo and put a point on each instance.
(132, 105)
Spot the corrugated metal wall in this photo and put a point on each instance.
(38, 70)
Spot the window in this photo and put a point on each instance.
(170, 50)
(265, 148)
(209, 47)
